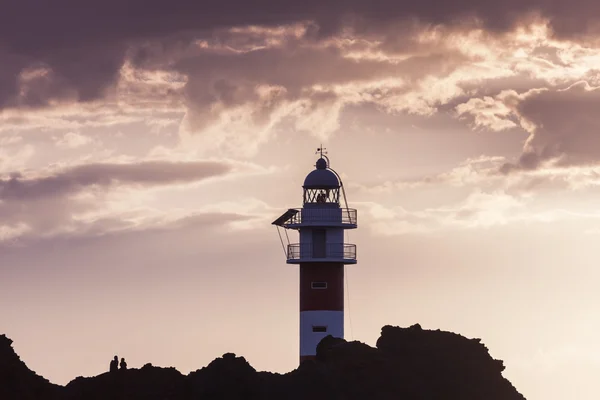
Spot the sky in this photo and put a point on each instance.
(146, 146)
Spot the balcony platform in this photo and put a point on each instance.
(344, 253)
(296, 218)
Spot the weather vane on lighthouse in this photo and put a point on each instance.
(321, 253)
(321, 150)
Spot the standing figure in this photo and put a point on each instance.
(123, 364)
(114, 364)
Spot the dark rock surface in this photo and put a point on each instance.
(19, 382)
(407, 364)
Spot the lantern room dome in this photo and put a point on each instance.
(321, 178)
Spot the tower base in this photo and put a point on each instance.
(315, 325)
(307, 358)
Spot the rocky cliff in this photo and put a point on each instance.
(407, 364)
(19, 382)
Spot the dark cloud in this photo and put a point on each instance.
(52, 203)
(64, 23)
(84, 44)
(564, 127)
(221, 81)
(78, 178)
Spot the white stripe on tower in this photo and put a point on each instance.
(313, 320)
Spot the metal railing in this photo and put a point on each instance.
(345, 216)
(306, 251)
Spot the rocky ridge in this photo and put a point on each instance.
(406, 364)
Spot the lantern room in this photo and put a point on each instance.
(321, 186)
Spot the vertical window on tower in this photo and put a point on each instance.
(319, 243)
(318, 285)
(319, 328)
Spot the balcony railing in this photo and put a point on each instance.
(307, 252)
(343, 217)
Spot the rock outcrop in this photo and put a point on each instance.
(413, 363)
(19, 382)
(407, 364)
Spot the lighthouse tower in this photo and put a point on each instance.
(321, 254)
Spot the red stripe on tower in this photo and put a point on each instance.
(321, 253)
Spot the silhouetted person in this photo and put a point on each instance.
(114, 364)
(123, 364)
(321, 197)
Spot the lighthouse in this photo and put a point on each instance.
(321, 253)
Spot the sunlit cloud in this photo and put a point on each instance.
(225, 93)
(478, 211)
(18, 159)
(108, 197)
(72, 140)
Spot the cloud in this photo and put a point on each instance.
(478, 172)
(73, 140)
(562, 123)
(292, 83)
(485, 173)
(76, 178)
(80, 198)
(564, 126)
(17, 159)
(231, 81)
(291, 45)
(478, 210)
(488, 112)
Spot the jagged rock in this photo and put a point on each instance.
(407, 364)
(449, 365)
(148, 382)
(19, 382)
(326, 344)
(227, 377)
